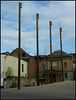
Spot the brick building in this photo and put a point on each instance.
(32, 64)
(22, 53)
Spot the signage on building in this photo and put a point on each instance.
(46, 67)
(41, 66)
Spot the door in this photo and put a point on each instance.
(54, 77)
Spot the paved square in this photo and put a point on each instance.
(61, 90)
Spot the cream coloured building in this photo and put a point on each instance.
(12, 62)
(9, 64)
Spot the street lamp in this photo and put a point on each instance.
(61, 53)
(37, 17)
(19, 44)
(50, 24)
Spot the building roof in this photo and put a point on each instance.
(22, 58)
(16, 51)
(7, 53)
(25, 59)
(57, 53)
(74, 54)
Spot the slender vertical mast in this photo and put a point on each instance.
(19, 45)
(61, 53)
(50, 24)
(37, 16)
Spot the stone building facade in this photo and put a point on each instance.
(74, 64)
(45, 69)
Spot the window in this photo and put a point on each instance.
(22, 68)
(65, 65)
(23, 54)
(66, 76)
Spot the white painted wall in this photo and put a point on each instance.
(2, 63)
(11, 61)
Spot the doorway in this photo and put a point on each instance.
(54, 77)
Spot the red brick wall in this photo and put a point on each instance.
(15, 52)
(32, 67)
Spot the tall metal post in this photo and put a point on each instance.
(19, 45)
(61, 53)
(50, 24)
(37, 16)
(0, 42)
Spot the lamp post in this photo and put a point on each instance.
(61, 53)
(19, 44)
(37, 17)
(50, 24)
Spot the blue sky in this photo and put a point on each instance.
(61, 13)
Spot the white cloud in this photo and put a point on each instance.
(9, 33)
(9, 10)
(55, 47)
(10, 43)
(46, 48)
(62, 14)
